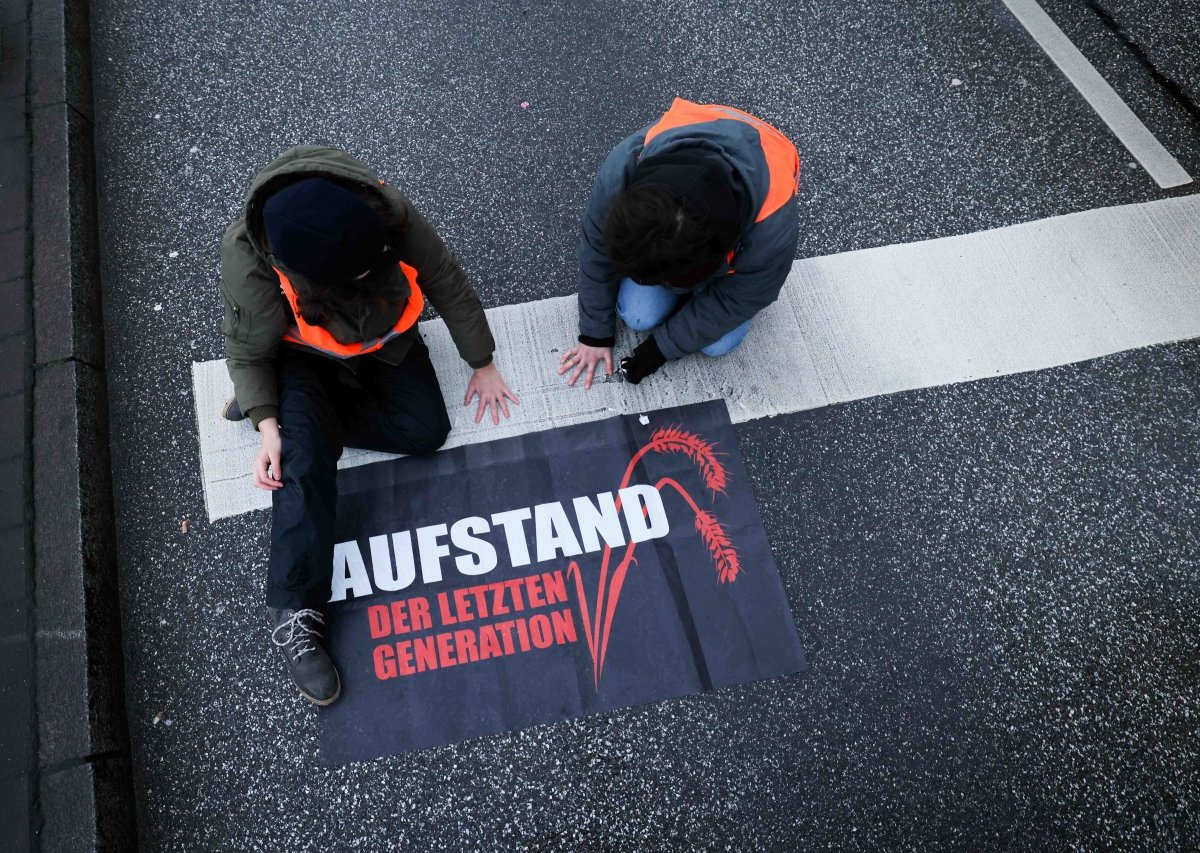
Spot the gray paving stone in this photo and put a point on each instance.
(16, 706)
(13, 607)
(14, 579)
(75, 580)
(12, 422)
(14, 11)
(68, 803)
(14, 184)
(12, 491)
(81, 811)
(12, 256)
(14, 610)
(16, 667)
(65, 285)
(62, 697)
(14, 51)
(12, 364)
(61, 51)
(64, 579)
(12, 310)
(12, 118)
(15, 802)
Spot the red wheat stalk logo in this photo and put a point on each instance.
(598, 624)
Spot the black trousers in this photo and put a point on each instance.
(323, 407)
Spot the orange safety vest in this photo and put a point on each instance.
(783, 162)
(317, 337)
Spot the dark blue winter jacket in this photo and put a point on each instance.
(763, 253)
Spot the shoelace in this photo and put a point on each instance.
(300, 632)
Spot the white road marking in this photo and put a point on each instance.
(1127, 127)
(847, 326)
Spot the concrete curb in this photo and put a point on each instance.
(84, 787)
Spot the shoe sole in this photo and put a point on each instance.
(322, 703)
(226, 411)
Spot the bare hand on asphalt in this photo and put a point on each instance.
(582, 357)
(489, 386)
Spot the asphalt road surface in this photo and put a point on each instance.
(995, 582)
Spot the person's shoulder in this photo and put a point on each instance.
(395, 197)
(235, 232)
(624, 155)
(236, 246)
(241, 266)
(771, 241)
(613, 174)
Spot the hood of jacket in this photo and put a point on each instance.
(305, 161)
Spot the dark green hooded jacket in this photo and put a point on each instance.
(257, 313)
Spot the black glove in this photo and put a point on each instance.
(646, 359)
(589, 341)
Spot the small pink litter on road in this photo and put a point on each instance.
(524, 105)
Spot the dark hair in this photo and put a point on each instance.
(356, 301)
(651, 238)
(320, 303)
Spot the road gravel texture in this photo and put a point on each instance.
(995, 582)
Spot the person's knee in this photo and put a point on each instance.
(304, 468)
(428, 434)
(722, 347)
(635, 320)
(642, 307)
(307, 447)
(728, 342)
(438, 433)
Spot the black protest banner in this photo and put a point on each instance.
(532, 579)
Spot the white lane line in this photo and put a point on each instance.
(847, 326)
(1127, 127)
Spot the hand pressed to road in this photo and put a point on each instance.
(582, 357)
(489, 385)
(268, 474)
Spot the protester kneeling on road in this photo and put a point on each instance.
(691, 231)
(324, 278)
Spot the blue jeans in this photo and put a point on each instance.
(644, 307)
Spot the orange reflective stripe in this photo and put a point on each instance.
(783, 163)
(318, 337)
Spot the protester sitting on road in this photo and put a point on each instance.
(324, 278)
(691, 231)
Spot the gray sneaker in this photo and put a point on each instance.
(295, 634)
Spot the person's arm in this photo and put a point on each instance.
(761, 268)
(598, 283)
(268, 473)
(253, 324)
(442, 279)
(444, 283)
